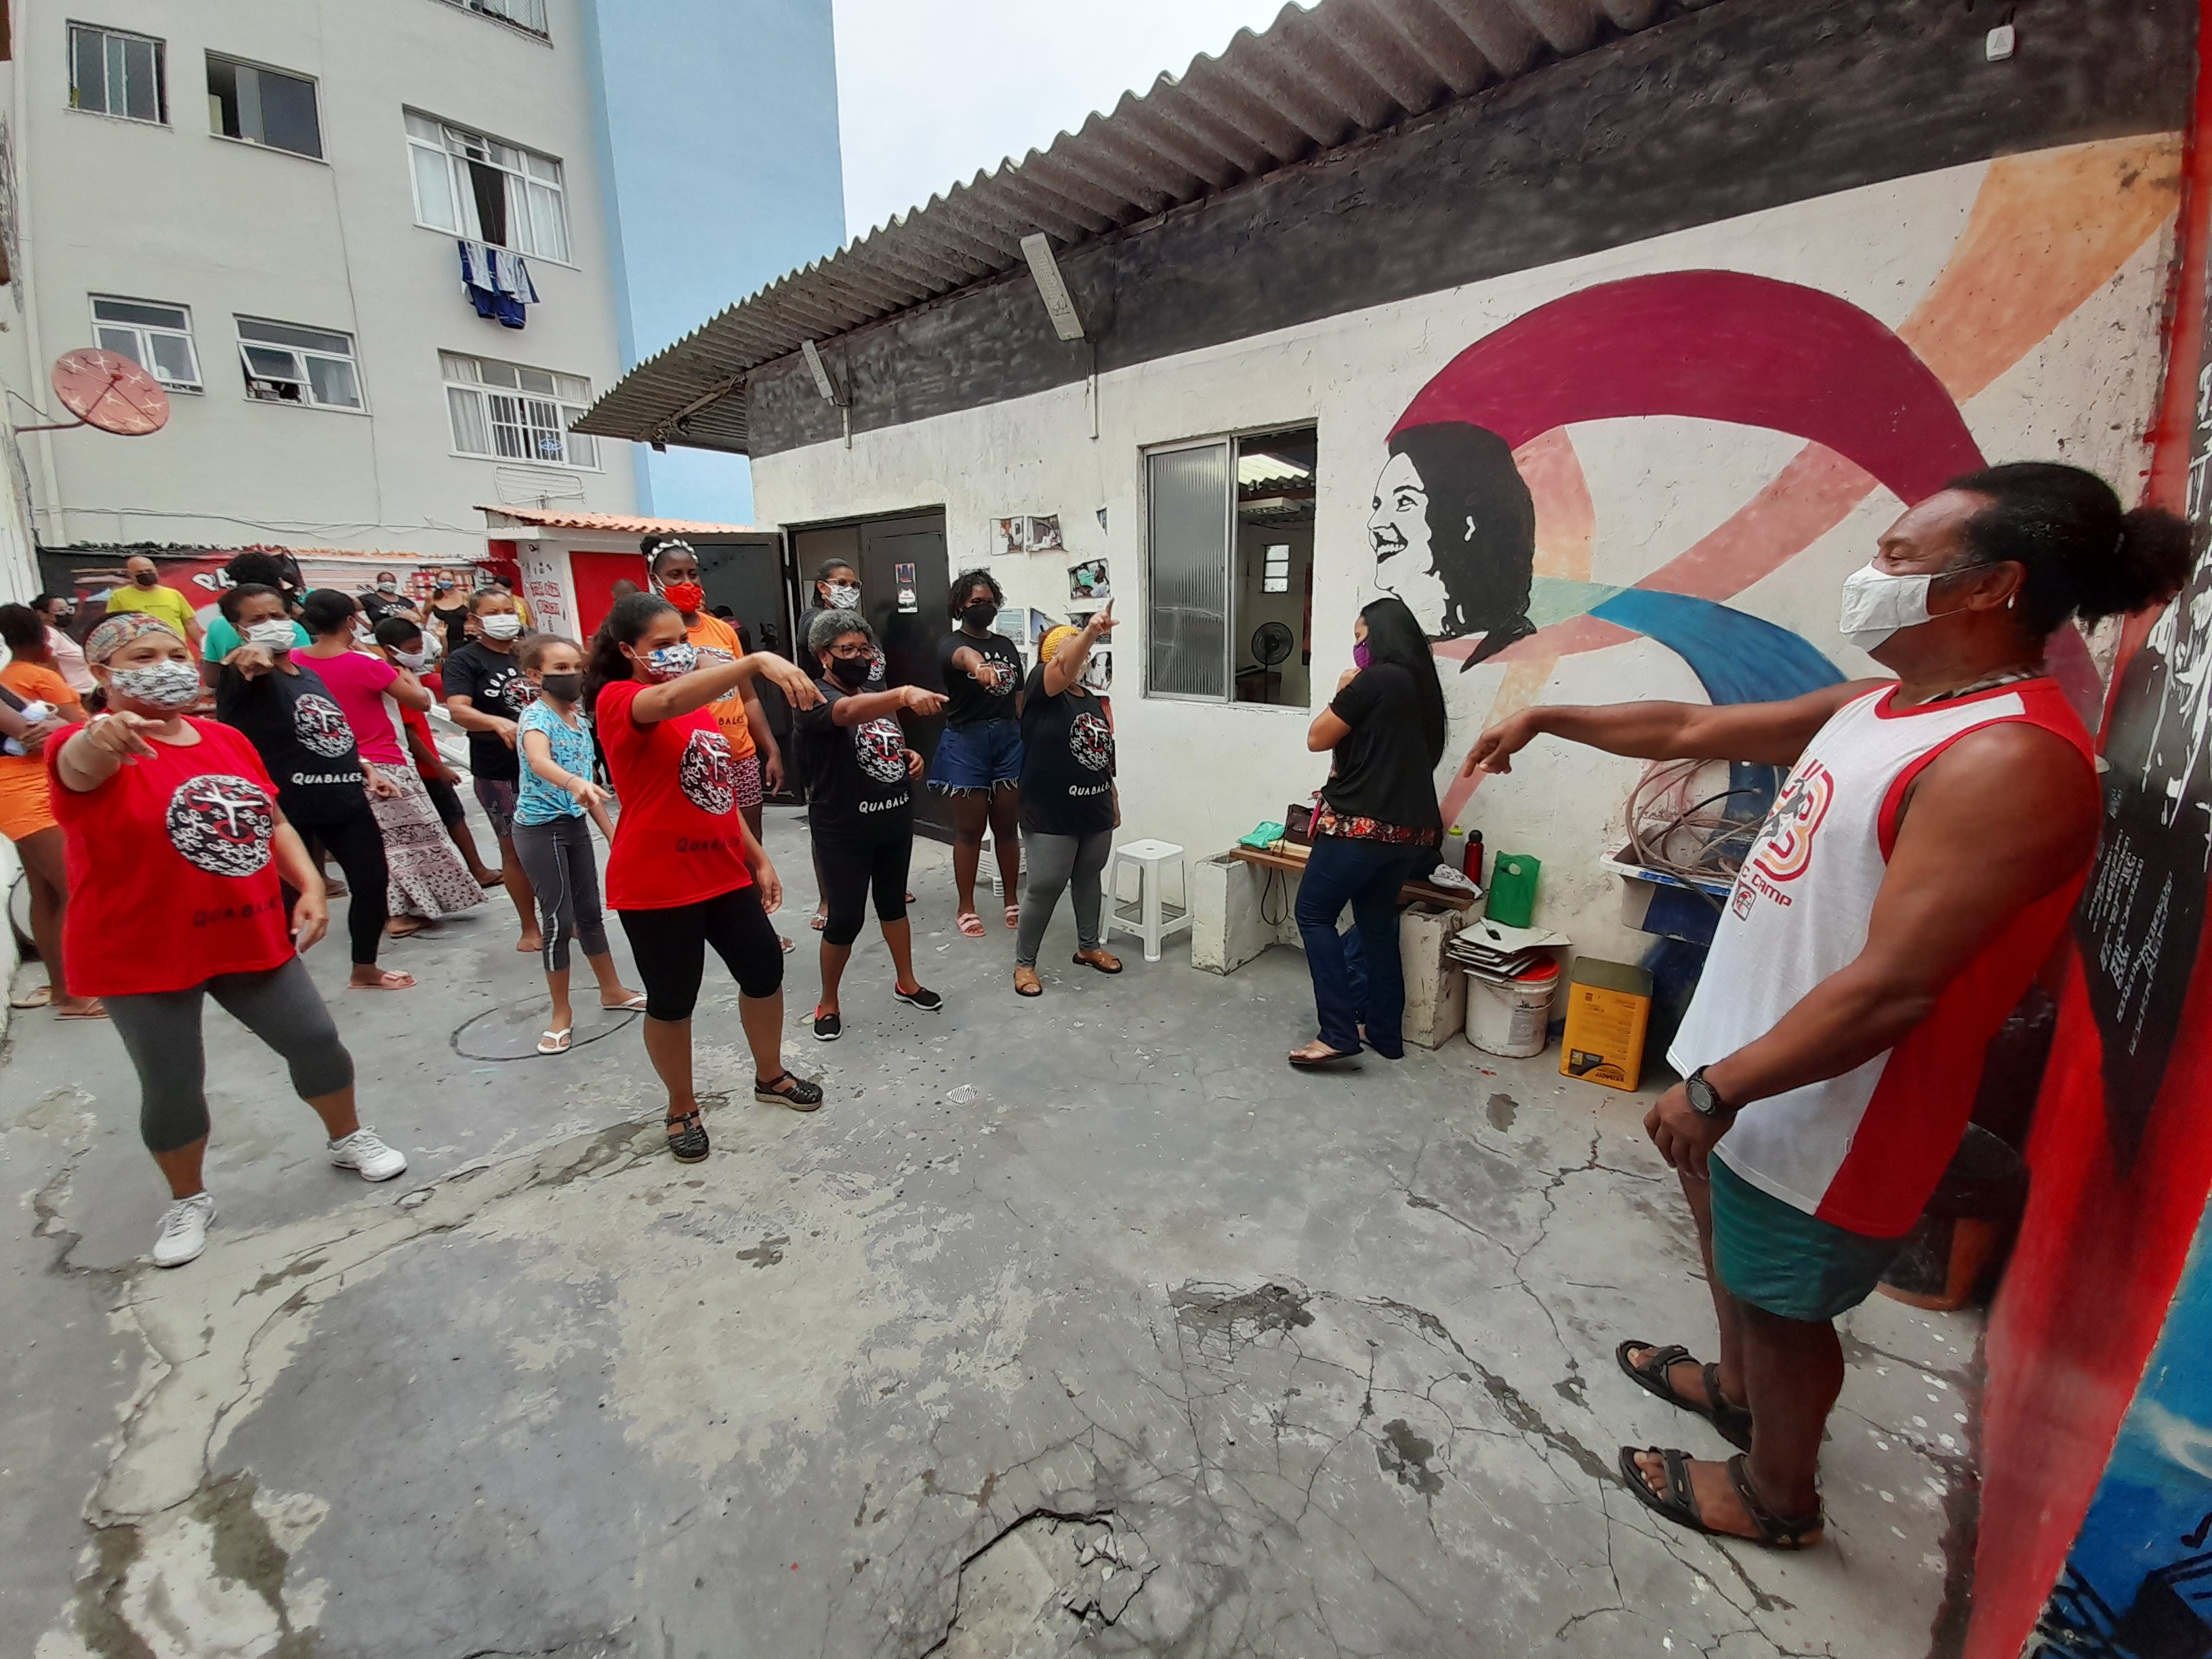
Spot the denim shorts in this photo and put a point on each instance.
(985, 755)
(1795, 1266)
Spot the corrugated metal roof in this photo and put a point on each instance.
(1318, 77)
(612, 524)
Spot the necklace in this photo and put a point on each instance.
(1990, 682)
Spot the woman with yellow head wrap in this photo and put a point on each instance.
(1067, 799)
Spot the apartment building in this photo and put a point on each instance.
(376, 253)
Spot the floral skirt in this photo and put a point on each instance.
(428, 877)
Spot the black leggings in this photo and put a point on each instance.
(558, 859)
(671, 948)
(162, 1031)
(358, 846)
(848, 868)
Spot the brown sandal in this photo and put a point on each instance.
(1026, 984)
(1101, 958)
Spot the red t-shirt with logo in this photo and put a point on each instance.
(171, 869)
(679, 839)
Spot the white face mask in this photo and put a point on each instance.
(272, 634)
(844, 596)
(501, 625)
(169, 685)
(1877, 604)
(413, 661)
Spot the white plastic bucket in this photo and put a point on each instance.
(1511, 1019)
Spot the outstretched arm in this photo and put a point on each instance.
(2004, 816)
(669, 698)
(1775, 732)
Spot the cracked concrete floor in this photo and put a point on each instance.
(1074, 1326)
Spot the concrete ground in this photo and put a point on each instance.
(1074, 1326)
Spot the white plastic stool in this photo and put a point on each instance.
(987, 867)
(1154, 921)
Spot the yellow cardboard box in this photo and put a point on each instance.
(1608, 1006)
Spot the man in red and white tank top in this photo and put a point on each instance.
(1915, 874)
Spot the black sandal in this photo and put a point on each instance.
(687, 1142)
(785, 1090)
(1316, 1062)
(1733, 1422)
(1679, 1503)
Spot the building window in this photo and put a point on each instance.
(156, 338)
(117, 73)
(506, 412)
(473, 186)
(307, 366)
(523, 14)
(262, 106)
(1229, 568)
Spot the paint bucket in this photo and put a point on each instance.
(1512, 1019)
(1967, 1224)
(1513, 890)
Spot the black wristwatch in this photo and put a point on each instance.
(1705, 1100)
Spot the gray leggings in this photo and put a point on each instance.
(162, 1031)
(557, 858)
(1056, 862)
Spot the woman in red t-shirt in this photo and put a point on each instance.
(175, 846)
(686, 872)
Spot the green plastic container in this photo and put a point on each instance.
(1513, 889)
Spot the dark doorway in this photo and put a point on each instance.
(747, 578)
(903, 578)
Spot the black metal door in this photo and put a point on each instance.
(903, 578)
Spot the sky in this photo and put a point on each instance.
(929, 91)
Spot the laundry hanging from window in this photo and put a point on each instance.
(497, 283)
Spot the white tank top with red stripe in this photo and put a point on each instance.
(1866, 1149)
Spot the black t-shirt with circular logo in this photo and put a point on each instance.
(493, 684)
(860, 786)
(966, 700)
(300, 733)
(1067, 761)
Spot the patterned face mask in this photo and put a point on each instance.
(167, 686)
(671, 662)
(843, 596)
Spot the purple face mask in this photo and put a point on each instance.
(1361, 656)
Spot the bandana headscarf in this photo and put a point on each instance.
(118, 630)
(1049, 646)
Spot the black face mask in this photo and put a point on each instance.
(566, 687)
(852, 674)
(980, 615)
(146, 578)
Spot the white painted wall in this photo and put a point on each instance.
(176, 214)
(1202, 774)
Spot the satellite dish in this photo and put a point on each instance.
(107, 390)
(1272, 643)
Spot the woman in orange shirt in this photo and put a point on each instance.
(26, 816)
(674, 569)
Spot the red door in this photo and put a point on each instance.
(595, 575)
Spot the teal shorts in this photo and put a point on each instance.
(1795, 1266)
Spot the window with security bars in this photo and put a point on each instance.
(506, 412)
(498, 194)
(114, 73)
(156, 338)
(285, 364)
(1229, 566)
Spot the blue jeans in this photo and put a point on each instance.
(1359, 975)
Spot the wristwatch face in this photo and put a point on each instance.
(1703, 1100)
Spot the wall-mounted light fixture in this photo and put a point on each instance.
(1052, 287)
(828, 387)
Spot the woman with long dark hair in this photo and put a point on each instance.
(686, 871)
(1454, 530)
(1377, 828)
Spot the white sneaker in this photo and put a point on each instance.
(363, 1151)
(184, 1229)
